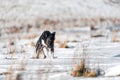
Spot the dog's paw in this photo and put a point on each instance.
(54, 57)
(33, 58)
(44, 57)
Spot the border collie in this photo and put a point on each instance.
(45, 41)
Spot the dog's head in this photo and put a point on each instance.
(49, 39)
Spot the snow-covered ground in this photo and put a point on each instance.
(100, 51)
(72, 20)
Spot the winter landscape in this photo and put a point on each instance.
(87, 41)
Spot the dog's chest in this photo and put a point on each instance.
(43, 43)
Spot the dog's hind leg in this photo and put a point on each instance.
(39, 52)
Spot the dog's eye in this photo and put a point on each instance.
(49, 41)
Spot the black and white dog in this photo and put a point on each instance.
(46, 40)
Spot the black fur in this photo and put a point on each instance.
(48, 39)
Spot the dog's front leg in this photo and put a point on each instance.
(44, 54)
(52, 53)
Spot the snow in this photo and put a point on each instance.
(29, 10)
(100, 52)
(113, 71)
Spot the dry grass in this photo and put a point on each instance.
(13, 29)
(54, 24)
(11, 72)
(83, 69)
(5, 73)
(11, 41)
(63, 45)
(10, 68)
(80, 67)
(102, 19)
(76, 74)
(92, 27)
(32, 44)
(78, 70)
(88, 73)
(32, 36)
(114, 37)
(12, 50)
(28, 27)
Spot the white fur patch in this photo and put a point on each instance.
(43, 43)
(47, 52)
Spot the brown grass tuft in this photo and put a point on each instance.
(11, 42)
(102, 19)
(13, 29)
(32, 44)
(88, 73)
(81, 70)
(92, 27)
(30, 36)
(114, 39)
(5, 73)
(12, 50)
(80, 67)
(63, 45)
(76, 73)
(28, 27)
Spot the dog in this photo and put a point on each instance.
(46, 40)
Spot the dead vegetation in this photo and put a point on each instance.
(114, 37)
(14, 29)
(32, 44)
(31, 36)
(15, 74)
(28, 27)
(46, 23)
(83, 68)
(12, 50)
(63, 45)
(88, 73)
(5, 73)
(84, 72)
(11, 42)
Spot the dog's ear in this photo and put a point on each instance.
(45, 34)
(54, 34)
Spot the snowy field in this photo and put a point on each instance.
(100, 51)
(87, 29)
